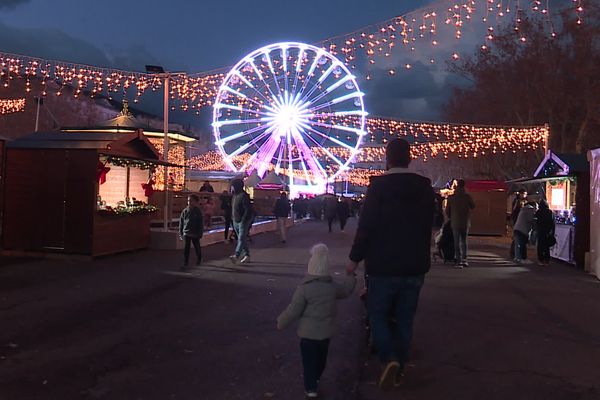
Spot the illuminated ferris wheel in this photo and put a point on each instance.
(293, 108)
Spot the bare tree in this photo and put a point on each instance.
(531, 77)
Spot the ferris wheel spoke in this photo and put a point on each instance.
(251, 85)
(240, 134)
(357, 131)
(270, 64)
(243, 148)
(352, 149)
(333, 87)
(322, 78)
(305, 153)
(264, 155)
(243, 96)
(298, 68)
(318, 56)
(359, 113)
(338, 100)
(333, 157)
(261, 77)
(238, 108)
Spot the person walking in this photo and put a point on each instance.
(458, 210)
(522, 229)
(225, 199)
(394, 238)
(314, 305)
(282, 211)
(241, 214)
(330, 210)
(544, 225)
(191, 229)
(518, 202)
(343, 212)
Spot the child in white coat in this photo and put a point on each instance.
(314, 305)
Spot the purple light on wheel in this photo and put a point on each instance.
(283, 107)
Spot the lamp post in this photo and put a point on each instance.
(160, 72)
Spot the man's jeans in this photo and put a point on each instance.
(241, 230)
(281, 226)
(393, 298)
(460, 244)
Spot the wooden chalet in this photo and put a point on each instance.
(77, 193)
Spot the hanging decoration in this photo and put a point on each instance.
(10, 106)
(148, 187)
(130, 162)
(428, 29)
(428, 140)
(101, 171)
(132, 209)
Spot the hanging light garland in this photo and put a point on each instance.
(429, 140)
(378, 41)
(11, 106)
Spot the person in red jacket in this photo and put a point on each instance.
(393, 239)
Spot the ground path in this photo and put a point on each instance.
(132, 326)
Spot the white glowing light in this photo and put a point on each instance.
(282, 101)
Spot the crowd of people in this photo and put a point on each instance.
(392, 284)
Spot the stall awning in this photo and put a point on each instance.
(483, 186)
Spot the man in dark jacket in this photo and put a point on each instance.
(394, 238)
(282, 211)
(241, 214)
(191, 229)
(458, 210)
(225, 199)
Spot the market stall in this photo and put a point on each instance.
(86, 192)
(565, 180)
(489, 215)
(594, 259)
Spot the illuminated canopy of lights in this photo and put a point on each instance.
(282, 102)
(430, 27)
(428, 140)
(11, 106)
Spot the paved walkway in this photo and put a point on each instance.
(133, 327)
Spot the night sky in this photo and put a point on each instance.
(208, 34)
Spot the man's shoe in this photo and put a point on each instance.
(233, 259)
(312, 395)
(399, 378)
(458, 266)
(464, 264)
(245, 259)
(388, 376)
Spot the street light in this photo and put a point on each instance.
(160, 72)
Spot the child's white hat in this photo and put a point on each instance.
(318, 264)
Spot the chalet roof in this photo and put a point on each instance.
(126, 122)
(134, 145)
(561, 164)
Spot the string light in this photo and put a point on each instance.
(194, 91)
(429, 140)
(177, 157)
(9, 106)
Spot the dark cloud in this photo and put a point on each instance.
(54, 44)
(11, 4)
(49, 43)
(414, 94)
